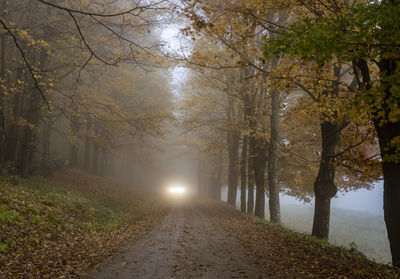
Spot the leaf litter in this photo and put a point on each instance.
(61, 226)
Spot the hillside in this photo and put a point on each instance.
(63, 225)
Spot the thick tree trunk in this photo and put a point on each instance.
(32, 116)
(28, 138)
(324, 186)
(250, 180)
(13, 129)
(243, 177)
(260, 161)
(274, 207)
(391, 189)
(387, 131)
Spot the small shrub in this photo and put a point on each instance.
(9, 217)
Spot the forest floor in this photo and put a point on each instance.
(208, 239)
(62, 225)
(76, 225)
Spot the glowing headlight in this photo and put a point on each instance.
(180, 189)
(176, 189)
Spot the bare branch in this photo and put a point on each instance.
(28, 65)
(130, 11)
(85, 42)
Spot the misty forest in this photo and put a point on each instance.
(200, 139)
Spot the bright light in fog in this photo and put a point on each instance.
(176, 189)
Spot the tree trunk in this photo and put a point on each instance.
(46, 141)
(260, 161)
(28, 138)
(243, 178)
(13, 129)
(250, 180)
(391, 189)
(200, 176)
(102, 163)
(216, 175)
(233, 174)
(32, 115)
(274, 207)
(86, 153)
(3, 134)
(96, 149)
(233, 139)
(219, 176)
(387, 131)
(73, 145)
(324, 186)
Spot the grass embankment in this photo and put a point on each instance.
(288, 254)
(61, 226)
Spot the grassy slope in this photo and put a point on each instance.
(366, 230)
(50, 230)
(287, 254)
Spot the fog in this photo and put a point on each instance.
(362, 200)
(357, 217)
(158, 93)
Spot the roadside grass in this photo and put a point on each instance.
(287, 254)
(367, 231)
(61, 227)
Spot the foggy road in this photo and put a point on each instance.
(187, 243)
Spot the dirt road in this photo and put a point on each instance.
(189, 242)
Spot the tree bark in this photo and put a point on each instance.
(219, 176)
(250, 180)
(46, 141)
(86, 153)
(73, 147)
(96, 149)
(324, 186)
(391, 189)
(274, 207)
(260, 161)
(28, 138)
(216, 177)
(13, 129)
(32, 115)
(233, 139)
(243, 178)
(233, 174)
(387, 131)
